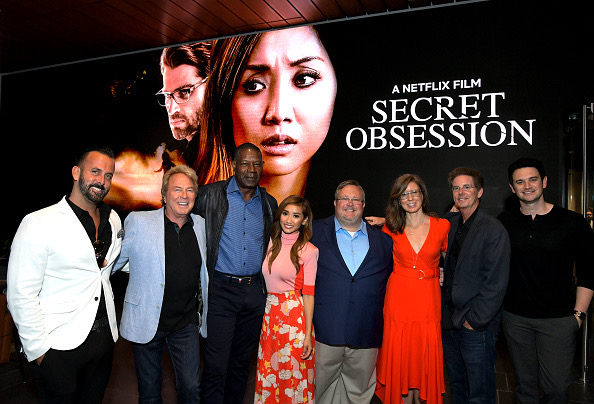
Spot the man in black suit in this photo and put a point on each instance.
(476, 271)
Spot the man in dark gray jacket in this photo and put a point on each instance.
(476, 271)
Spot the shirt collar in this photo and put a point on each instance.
(470, 220)
(233, 188)
(338, 226)
(188, 221)
(104, 210)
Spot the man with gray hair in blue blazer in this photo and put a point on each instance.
(166, 300)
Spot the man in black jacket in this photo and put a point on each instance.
(238, 214)
(476, 271)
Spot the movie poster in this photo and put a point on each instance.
(422, 91)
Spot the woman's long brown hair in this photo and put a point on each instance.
(305, 232)
(228, 61)
(395, 214)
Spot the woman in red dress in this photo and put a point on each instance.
(285, 371)
(410, 363)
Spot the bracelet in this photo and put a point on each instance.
(580, 314)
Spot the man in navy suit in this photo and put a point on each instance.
(353, 268)
(476, 270)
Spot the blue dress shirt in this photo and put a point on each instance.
(352, 248)
(242, 241)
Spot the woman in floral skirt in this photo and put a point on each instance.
(286, 353)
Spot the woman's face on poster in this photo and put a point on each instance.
(285, 99)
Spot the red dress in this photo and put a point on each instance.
(411, 352)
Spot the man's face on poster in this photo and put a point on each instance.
(184, 117)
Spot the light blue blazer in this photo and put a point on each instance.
(143, 256)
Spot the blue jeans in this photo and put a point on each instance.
(470, 360)
(183, 347)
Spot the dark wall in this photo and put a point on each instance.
(539, 59)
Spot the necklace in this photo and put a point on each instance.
(411, 230)
(415, 257)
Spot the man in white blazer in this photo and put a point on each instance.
(165, 253)
(59, 293)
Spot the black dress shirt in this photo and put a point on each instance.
(449, 272)
(182, 276)
(103, 233)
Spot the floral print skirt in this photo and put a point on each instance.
(282, 376)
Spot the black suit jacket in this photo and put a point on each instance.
(481, 274)
(348, 310)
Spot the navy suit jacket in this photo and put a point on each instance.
(349, 309)
(481, 274)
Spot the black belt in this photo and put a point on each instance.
(246, 280)
(100, 323)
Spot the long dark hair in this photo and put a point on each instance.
(228, 62)
(305, 232)
(395, 214)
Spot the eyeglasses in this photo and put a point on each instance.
(180, 96)
(354, 201)
(414, 193)
(465, 187)
(98, 245)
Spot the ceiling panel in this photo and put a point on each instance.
(244, 12)
(121, 23)
(223, 12)
(263, 10)
(374, 6)
(196, 27)
(285, 9)
(394, 5)
(309, 11)
(167, 32)
(40, 33)
(330, 9)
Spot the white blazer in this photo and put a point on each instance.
(54, 282)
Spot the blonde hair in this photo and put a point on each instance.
(180, 169)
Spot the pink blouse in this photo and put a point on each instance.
(283, 277)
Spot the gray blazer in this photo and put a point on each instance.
(143, 255)
(481, 274)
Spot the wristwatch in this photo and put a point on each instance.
(580, 314)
